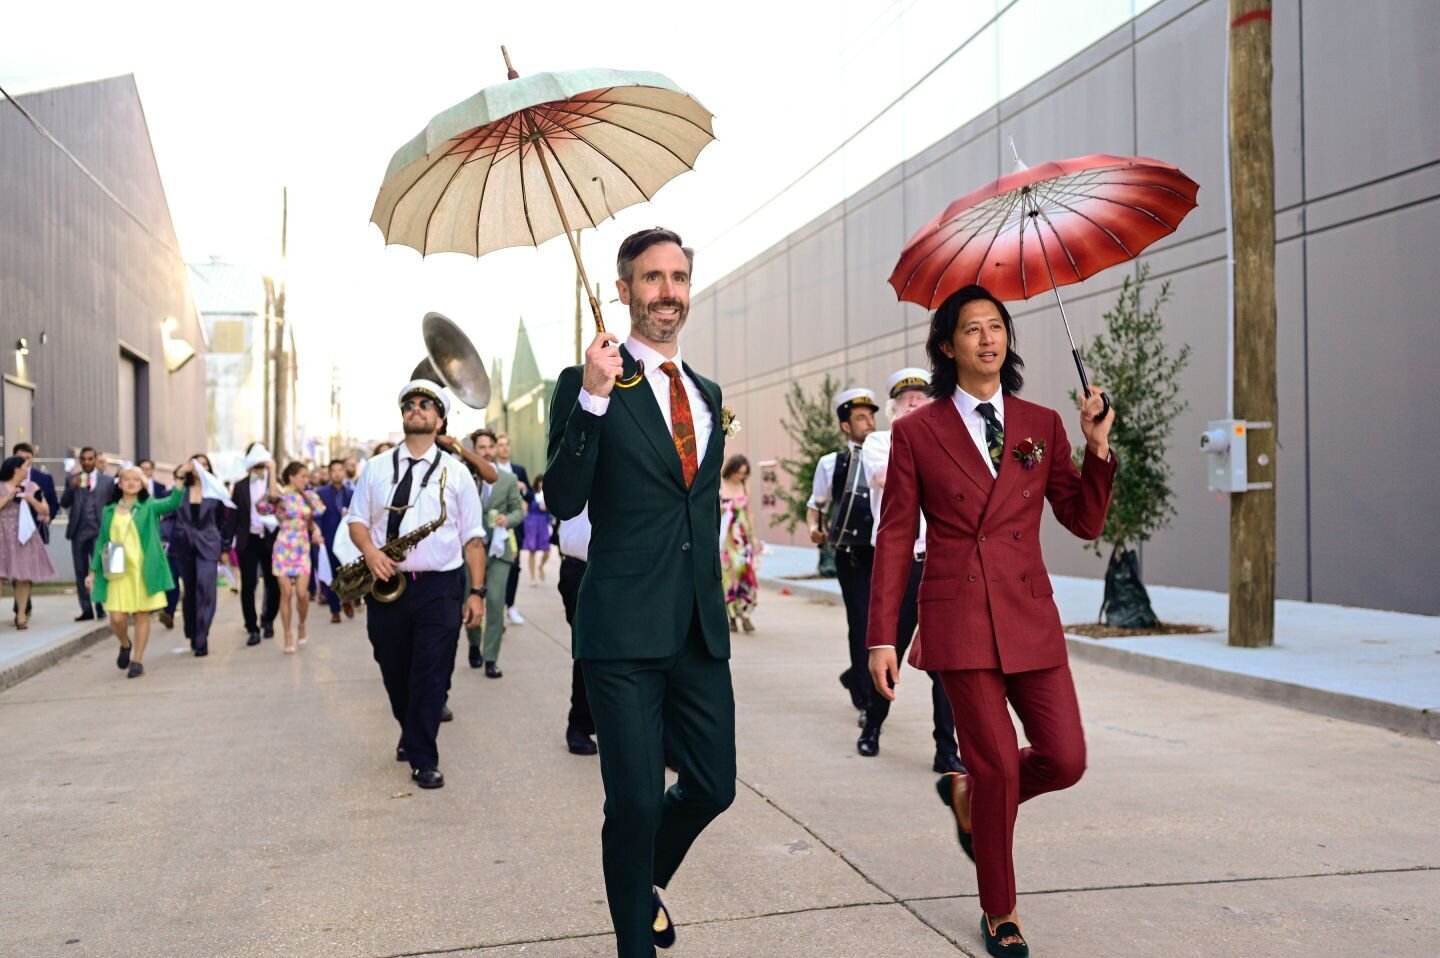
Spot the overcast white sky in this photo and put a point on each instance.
(244, 99)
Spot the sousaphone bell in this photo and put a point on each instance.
(452, 361)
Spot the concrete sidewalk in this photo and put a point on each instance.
(1363, 665)
(53, 635)
(247, 805)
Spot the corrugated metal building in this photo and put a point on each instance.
(87, 288)
(1357, 156)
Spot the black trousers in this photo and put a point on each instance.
(641, 705)
(198, 609)
(512, 583)
(172, 596)
(81, 552)
(852, 569)
(255, 563)
(414, 640)
(571, 572)
(879, 709)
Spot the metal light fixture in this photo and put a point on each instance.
(22, 346)
(177, 351)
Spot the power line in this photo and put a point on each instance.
(39, 128)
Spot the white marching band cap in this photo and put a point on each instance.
(911, 377)
(850, 398)
(425, 387)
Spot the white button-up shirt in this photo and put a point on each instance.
(440, 551)
(966, 403)
(875, 454)
(575, 536)
(259, 489)
(659, 384)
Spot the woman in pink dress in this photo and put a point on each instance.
(296, 507)
(23, 563)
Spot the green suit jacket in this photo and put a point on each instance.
(155, 568)
(504, 499)
(655, 545)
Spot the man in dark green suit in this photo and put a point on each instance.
(650, 629)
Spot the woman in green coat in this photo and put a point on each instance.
(132, 522)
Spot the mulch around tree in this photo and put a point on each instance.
(1094, 630)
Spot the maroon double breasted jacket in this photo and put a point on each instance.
(985, 599)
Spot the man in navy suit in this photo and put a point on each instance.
(336, 495)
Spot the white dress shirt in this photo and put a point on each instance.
(824, 482)
(575, 536)
(875, 454)
(259, 489)
(440, 551)
(659, 384)
(966, 403)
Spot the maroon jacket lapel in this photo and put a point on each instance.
(944, 422)
(1021, 422)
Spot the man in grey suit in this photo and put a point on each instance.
(87, 493)
(504, 510)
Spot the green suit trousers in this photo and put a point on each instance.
(488, 638)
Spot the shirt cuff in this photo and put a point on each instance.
(594, 405)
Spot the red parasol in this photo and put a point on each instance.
(1044, 227)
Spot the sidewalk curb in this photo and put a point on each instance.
(50, 654)
(1351, 708)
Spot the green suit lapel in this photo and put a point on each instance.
(711, 392)
(639, 402)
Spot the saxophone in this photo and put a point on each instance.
(354, 579)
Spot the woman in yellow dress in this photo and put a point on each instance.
(132, 522)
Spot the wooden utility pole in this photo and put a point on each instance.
(1252, 204)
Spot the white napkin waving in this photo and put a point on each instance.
(498, 536)
(211, 487)
(27, 522)
(325, 575)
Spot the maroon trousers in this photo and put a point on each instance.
(1002, 775)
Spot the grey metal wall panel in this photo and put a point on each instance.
(730, 330)
(1093, 113)
(767, 319)
(1374, 395)
(1292, 461)
(1370, 81)
(75, 270)
(817, 292)
(874, 234)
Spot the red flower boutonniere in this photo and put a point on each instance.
(1030, 452)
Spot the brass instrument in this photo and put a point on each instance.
(354, 579)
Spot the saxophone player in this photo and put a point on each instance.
(414, 637)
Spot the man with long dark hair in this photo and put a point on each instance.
(979, 463)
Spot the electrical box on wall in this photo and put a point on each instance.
(1225, 448)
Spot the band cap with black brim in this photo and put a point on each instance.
(424, 387)
(911, 377)
(847, 400)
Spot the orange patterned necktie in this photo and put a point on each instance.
(682, 424)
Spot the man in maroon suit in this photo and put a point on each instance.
(979, 462)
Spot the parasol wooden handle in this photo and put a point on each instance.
(511, 72)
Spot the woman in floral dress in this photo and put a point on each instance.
(296, 506)
(739, 551)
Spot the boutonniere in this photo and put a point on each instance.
(728, 423)
(1030, 452)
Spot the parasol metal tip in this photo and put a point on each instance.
(511, 72)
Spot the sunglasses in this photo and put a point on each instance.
(410, 405)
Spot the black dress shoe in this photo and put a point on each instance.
(446, 715)
(122, 661)
(944, 789)
(201, 651)
(475, 660)
(857, 695)
(400, 755)
(1014, 948)
(868, 744)
(428, 777)
(492, 671)
(84, 616)
(579, 743)
(253, 638)
(948, 762)
(268, 632)
(136, 670)
(662, 928)
(167, 620)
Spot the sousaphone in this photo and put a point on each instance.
(452, 361)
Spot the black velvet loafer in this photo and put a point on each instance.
(945, 789)
(662, 928)
(1008, 932)
(578, 742)
(948, 762)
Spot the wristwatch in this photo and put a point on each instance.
(480, 592)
